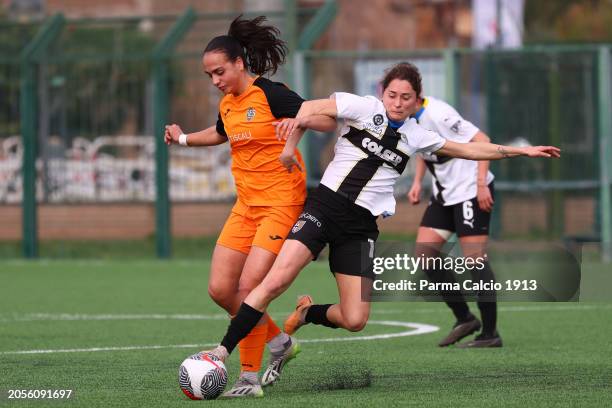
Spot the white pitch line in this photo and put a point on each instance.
(97, 349)
(31, 317)
(418, 328)
(538, 308)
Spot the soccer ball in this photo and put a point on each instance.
(202, 376)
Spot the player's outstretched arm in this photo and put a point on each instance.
(490, 151)
(318, 114)
(206, 137)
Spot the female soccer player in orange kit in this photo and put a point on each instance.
(269, 200)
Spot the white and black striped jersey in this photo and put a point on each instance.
(454, 180)
(370, 156)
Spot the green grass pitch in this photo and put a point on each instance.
(554, 354)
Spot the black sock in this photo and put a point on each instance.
(241, 325)
(487, 303)
(317, 314)
(460, 310)
(488, 313)
(453, 298)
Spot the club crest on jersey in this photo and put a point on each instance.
(378, 119)
(455, 127)
(298, 226)
(250, 114)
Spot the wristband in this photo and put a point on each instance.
(183, 139)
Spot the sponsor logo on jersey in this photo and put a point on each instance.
(250, 113)
(309, 217)
(380, 151)
(237, 137)
(370, 127)
(378, 119)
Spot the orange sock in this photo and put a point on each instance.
(252, 348)
(273, 330)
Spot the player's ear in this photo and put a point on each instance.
(240, 64)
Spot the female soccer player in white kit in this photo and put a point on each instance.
(461, 203)
(376, 141)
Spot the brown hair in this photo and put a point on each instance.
(403, 71)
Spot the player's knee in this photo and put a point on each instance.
(355, 322)
(220, 294)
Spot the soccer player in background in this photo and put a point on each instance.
(461, 203)
(268, 199)
(376, 140)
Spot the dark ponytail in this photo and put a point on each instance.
(258, 45)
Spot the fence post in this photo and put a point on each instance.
(30, 55)
(301, 62)
(556, 219)
(604, 73)
(161, 54)
(491, 107)
(450, 65)
(291, 38)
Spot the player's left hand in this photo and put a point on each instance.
(285, 127)
(288, 160)
(542, 151)
(485, 199)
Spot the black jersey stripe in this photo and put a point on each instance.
(359, 176)
(442, 159)
(365, 169)
(432, 168)
(387, 152)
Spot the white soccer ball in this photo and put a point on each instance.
(202, 376)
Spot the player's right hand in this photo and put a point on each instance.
(285, 127)
(542, 151)
(414, 195)
(172, 133)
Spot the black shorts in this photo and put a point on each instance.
(465, 219)
(350, 231)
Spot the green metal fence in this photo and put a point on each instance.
(86, 100)
(543, 95)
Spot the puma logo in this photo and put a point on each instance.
(470, 223)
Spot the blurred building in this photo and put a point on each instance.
(360, 24)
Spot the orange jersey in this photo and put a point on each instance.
(246, 121)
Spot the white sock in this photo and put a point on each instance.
(279, 343)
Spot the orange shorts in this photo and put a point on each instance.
(265, 227)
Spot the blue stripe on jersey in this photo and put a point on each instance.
(395, 125)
